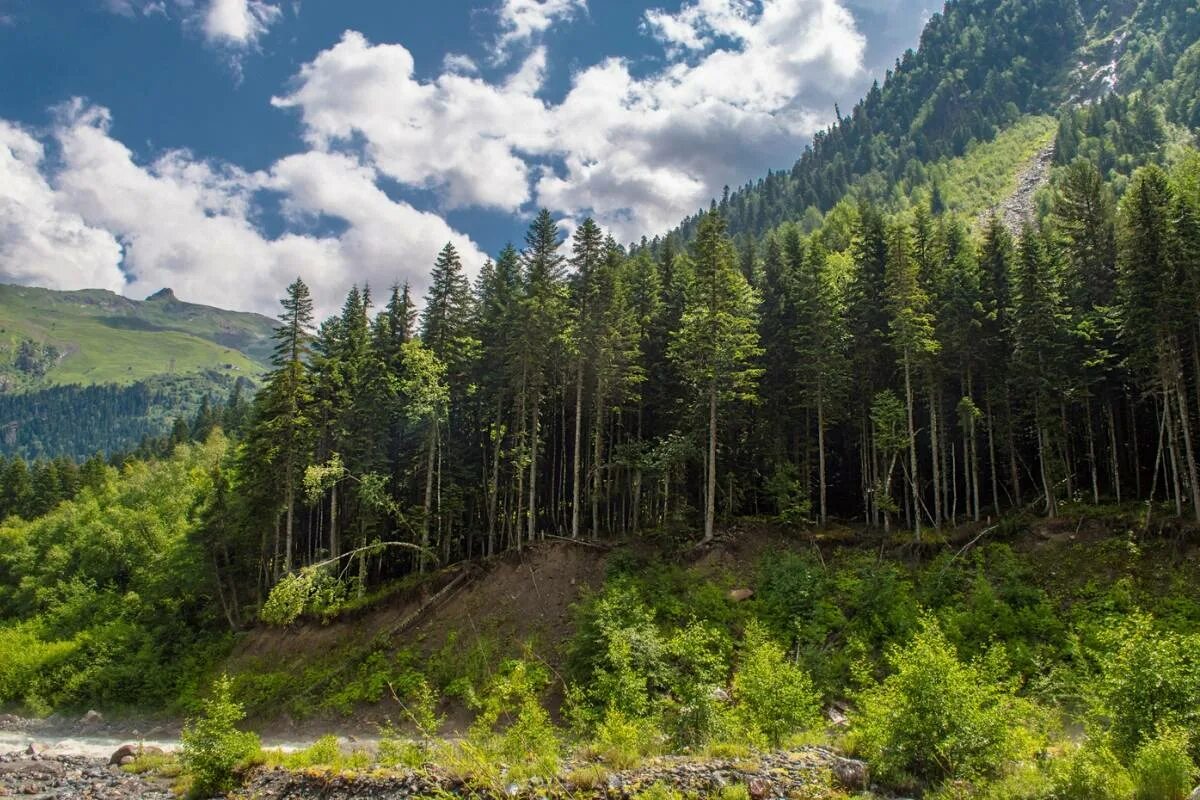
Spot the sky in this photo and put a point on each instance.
(224, 147)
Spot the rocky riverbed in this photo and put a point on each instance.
(804, 773)
(33, 775)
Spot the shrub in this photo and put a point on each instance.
(1162, 767)
(213, 747)
(622, 741)
(1090, 772)
(513, 727)
(774, 697)
(936, 717)
(1150, 681)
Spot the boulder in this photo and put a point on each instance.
(738, 595)
(92, 717)
(758, 789)
(1195, 795)
(850, 774)
(35, 749)
(131, 752)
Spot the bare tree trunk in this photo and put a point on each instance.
(912, 450)
(710, 510)
(597, 460)
(1172, 449)
(290, 499)
(1051, 503)
(821, 478)
(531, 533)
(1186, 427)
(335, 544)
(577, 454)
(427, 507)
(1112, 445)
(1091, 442)
(935, 452)
(991, 433)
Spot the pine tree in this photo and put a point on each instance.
(716, 346)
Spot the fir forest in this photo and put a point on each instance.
(876, 477)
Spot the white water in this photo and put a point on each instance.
(100, 747)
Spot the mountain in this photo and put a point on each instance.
(87, 371)
(981, 66)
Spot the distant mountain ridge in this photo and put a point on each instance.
(92, 371)
(94, 336)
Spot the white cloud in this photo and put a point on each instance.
(105, 220)
(460, 63)
(522, 21)
(637, 152)
(238, 22)
(232, 24)
(41, 242)
(456, 135)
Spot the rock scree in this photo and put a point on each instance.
(71, 777)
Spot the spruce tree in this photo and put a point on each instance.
(716, 346)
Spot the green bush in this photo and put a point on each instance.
(774, 697)
(1090, 772)
(1162, 767)
(513, 727)
(1150, 681)
(936, 717)
(621, 742)
(213, 747)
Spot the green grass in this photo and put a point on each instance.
(105, 338)
(987, 174)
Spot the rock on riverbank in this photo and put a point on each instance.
(71, 777)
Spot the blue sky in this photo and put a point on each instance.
(221, 147)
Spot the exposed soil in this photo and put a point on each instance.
(1020, 209)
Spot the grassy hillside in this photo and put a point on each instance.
(50, 338)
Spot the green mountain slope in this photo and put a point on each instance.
(90, 337)
(90, 371)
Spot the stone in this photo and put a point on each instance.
(132, 751)
(92, 717)
(758, 789)
(1195, 795)
(850, 774)
(126, 760)
(35, 749)
(738, 595)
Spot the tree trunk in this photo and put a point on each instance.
(335, 544)
(531, 533)
(1112, 444)
(935, 452)
(577, 454)
(991, 432)
(821, 452)
(1051, 504)
(912, 450)
(1186, 427)
(290, 499)
(1091, 442)
(710, 509)
(597, 459)
(427, 506)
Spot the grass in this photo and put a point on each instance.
(986, 174)
(105, 338)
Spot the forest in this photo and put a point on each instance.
(848, 464)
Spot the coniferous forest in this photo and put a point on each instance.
(878, 477)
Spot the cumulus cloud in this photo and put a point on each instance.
(41, 241)
(637, 152)
(103, 219)
(522, 21)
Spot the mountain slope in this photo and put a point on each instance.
(90, 337)
(91, 371)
